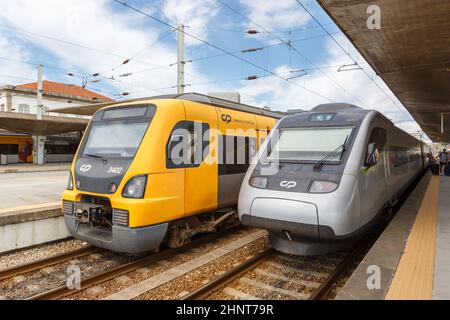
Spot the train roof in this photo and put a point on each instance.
(335, 107)
(89, 110)
(330, 114)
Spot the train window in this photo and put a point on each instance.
(188, 145)
(127, 112)
(399, 156)
(376, 143)
(9, 148)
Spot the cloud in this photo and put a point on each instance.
(353, 87)
(114, 31)
(196, 14)
(10, 70)
(118, 33)
(275, 15)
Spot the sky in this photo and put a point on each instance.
(87, 37)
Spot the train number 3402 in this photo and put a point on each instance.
(115, 170)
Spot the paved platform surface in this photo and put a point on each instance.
(32, 188)
(385, 254)
(27, 167)
(413, 278)
(413, 253)
(441, 285)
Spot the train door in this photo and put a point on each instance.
(237, 145)
(373, 180)
(201, 176)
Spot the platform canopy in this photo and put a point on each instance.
(49, 125)
(411, 53)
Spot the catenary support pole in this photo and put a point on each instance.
(181, 61)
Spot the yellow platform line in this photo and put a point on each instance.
(413, 279)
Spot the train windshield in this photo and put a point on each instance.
(309, 144)
(115, 139)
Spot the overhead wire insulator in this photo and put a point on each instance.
(301, 73)
(349, 67)
(125, 94)
(96, 81)
(252, 31)
(71, 74)
(251, 50)
(96, 74)
(125, 75)
(251, 78)
(126, 61)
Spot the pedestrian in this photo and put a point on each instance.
(433, 164)
(443, 161)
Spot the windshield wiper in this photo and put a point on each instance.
(320, 163)
(92, 155)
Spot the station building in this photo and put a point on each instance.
(20, 100)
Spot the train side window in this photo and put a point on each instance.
(376, 143)
(188, 144)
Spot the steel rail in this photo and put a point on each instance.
(63, 291)
(320, 293)
(227, 277)
(36, 265)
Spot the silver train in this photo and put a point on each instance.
(322, 178)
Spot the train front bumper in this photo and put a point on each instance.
(119, 238)
(124, 235)
(293, 219)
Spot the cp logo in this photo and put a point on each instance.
(226, 118)
(288, 184)
(85, 167)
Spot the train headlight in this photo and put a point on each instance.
(70, 182)
(322, 187)
(258, 182)
(135, 187)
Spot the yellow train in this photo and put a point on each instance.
(161, 169)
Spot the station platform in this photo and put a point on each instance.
(29, 167)
(411, 258)
(30, 205)
(31, 225)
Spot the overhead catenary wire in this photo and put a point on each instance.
(348, 54)
(219, 48)
(291, 47)
(261, 48)
(158, 39)
(80, 46)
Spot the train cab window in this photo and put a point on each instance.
(376, 143)
(188, 145)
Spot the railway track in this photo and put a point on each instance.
(43, 263)
(63, 291)
(273, 275)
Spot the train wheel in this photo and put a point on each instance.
(177, 238)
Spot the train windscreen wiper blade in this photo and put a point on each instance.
(320, 163)
(92, 155)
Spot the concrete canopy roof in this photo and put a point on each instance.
(411, 53)
(49, 125)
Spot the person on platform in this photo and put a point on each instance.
(443, 161)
